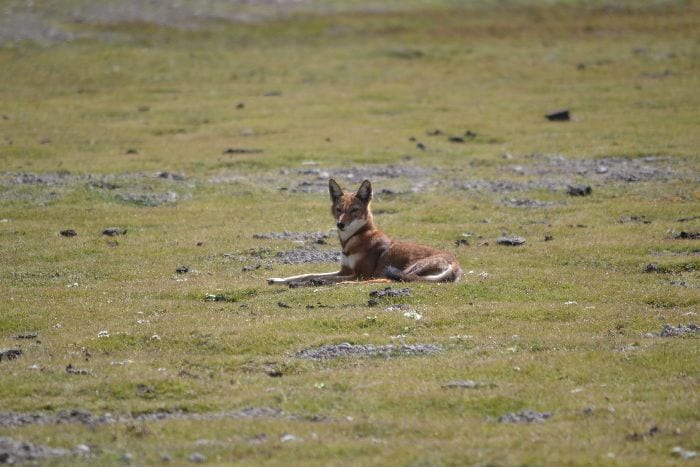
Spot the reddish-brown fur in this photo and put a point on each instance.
(369, 254)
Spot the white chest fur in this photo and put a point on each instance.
(350, 260)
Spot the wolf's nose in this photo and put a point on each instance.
(340, 225)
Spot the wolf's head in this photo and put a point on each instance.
(350, 210)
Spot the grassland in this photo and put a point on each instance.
(198, 137)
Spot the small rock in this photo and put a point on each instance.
(680, 452)
(10, 354)
(421, 146)
(455, 139)
(548, 238)
(242, 151)
(240, 105)
(27, 335)
(127, 457)
(573, 190)
(562, 115)
(182, 269)
(287, 438)
(113, 231)
(680, 330)
(70, 369)
(283, 305)
(685, 235)
(510, 240)
(467, 384)
(143, 108)
(197, 458)
(391, 292)
(524, 416)
(651, 267)
(132, 151)
(68, 233)
(81, 450)
(434, 132)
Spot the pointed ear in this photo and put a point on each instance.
(365, 192)
(335, 190)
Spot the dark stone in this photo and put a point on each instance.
(559, 116)
(510, 240)
(242, 151)
(10, 354)
(114, 231)
(69, 233)
(583, 190)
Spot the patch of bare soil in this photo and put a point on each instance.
(367, 350)
(305, 255)
(85, 417)
(680, 331)
(316, 237)
(21, 452)
(140, 189)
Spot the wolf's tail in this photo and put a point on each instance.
(450, 273)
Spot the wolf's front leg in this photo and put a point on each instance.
(329, 277)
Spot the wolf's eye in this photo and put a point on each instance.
(354, 210)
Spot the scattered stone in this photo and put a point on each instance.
(170, 176)
(197, 458)
(10, 354)
(27, 335)
(455, 139)
(132, 151)
(687, 219)
(528, 203)
(391, 292)
(576, 190)
(634, 219)
(68, 233)
(81, 450)
(524, 416)
(562, 115)
(548, 238)
(510, 240)
(283, 305)
(113, 231)
(84, 417)
(242, 151)
(143, 108)
(642, 436)
(434, 132)
(680, 330)
(466, 384)
(21, 452)
(182, 269)
(70, 369)
(240, 105)
(127, 457)
(368, 350)
(684, 454)
(288, 437)
(651, 267)
(683, 235)
(421, 146)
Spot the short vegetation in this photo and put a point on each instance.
(160, 160)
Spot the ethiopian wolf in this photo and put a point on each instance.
(369, 254)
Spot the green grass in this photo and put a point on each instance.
(557, 326)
